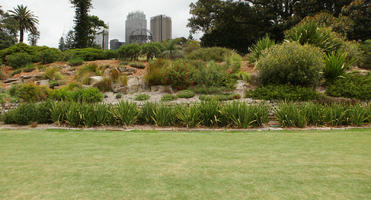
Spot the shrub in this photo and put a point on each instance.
(44, 112)
(87, 54)
(164, 115)
(169, 97)
(241, 115)
(199, 89)
(142, 97)
(336, 65)
(9, 117)
(126, 113)
(209, 113)
(147, 113)
(151, 50)
(130, 51)
(353, 51)
(352, 85)
(214, 75)
(15, 72)
(75, 61)
(86, 71)
(366, 57)
(104, 114)
(61, 94)
(50, 55)
(216, 54)
(58, 111)
(137, 65)
(259, 47)
(52, 73)
(290, 115)
(118, 96)
(234, 63)
(155, 72)
(74, 116)
(28, 68)
(291, 63)
(104, 85)
(188, 115)
(88, 95)
(185, 94)
(19, 60)
(179, 75)
(25, 114)
(310, 33)
(110, 54)
(29, 92)
(283, 92)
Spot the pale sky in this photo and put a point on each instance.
(56, 16)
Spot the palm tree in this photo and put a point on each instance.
(27, 21)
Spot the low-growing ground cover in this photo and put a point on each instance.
(61, 164)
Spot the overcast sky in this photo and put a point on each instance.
(56, 16)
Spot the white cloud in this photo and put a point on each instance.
(56, 16)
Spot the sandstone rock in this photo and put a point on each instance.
(95, 79)
(11, 80)
(162, 88)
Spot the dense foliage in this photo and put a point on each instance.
(283, 92)
(291, 63)
(352, 85)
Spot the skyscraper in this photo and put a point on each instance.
(101, 38)
(161, 28)
(136, 27)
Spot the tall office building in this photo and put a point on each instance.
(136, 28)
(161, 28)
(115, 44)
(101, 38)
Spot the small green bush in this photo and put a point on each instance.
(179, 75)
(44, 112)
(29, 92)
(29, 68)
(311, 33)
(164, 115)
(87, 54)
(88, 95)
(75, 61)
(24, 114)
(259, 47)
(137, 65)
(118, 96)
(50, 55)
(169, 97)
(147, 113)
(185, 94)
(15, 72)
(209, 113)
(241, 115)
(126, 113)
(104, 85)
(155, 72)
(19, 60)
(234, 63)
(53, 73)
(214, 75)
(290, 115)
(129, 52)
(216, 54)
(283, 92)
(188, 115)
(352, 85)
(104, 114)
(199, 89)
(336, 65)
(219, 97)
(366, 57)
(58, 111)
(142, 97)
(291, 63)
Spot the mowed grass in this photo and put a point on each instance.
(185, 165)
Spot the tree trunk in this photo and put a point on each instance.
(21, 35)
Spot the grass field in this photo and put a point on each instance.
(185, 165)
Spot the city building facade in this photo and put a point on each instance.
(102, 38)
(161, 28)
(136, 28)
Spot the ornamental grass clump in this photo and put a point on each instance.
(188, 115)
(241, 115)
(336, 65)
(147, 113)
(164, 115)
(290, 115)
(209, 113)
(126, 113)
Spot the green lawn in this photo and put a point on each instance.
(185, 165)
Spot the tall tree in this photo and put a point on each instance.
(70, 40)
(27, 21)
(8, 30)
(62, 45)
(82, 22)
(33, 37)
(360, 12)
